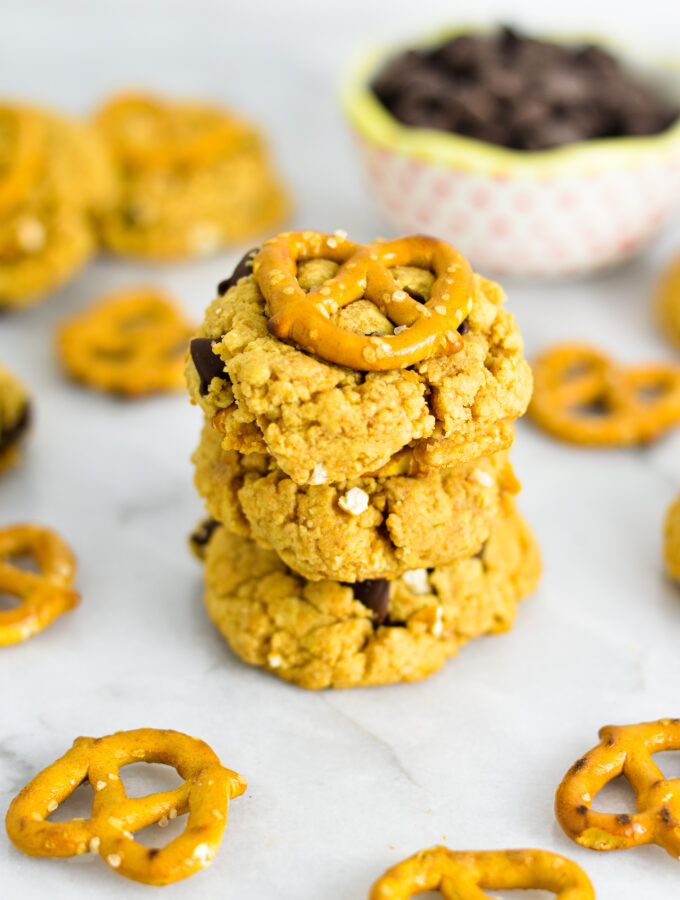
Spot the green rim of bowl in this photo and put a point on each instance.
(375, 124)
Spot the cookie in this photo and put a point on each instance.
(672, 540)
(194, 178)
(668, 302)
(54, 175)
(326, 634)
(324, 422)
(365, 528)
(131, 342)
(15, 418)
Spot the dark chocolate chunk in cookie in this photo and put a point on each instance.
(242, 270)
(14, 432)
(208, 364)
(200, 536)
(375, 594)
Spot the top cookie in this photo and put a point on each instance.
(325, 422)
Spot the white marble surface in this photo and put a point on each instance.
(341, 785)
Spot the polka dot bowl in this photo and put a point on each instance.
(546, 214)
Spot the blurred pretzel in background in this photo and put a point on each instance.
(584, 397)
(44, 595)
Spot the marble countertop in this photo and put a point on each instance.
(341, 784)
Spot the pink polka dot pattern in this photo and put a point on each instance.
(529, 225)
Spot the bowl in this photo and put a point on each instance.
(541, 214)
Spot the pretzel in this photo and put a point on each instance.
(582, 396)
(464, 875)
(624, 750)
(44, 596)
(22, 155)
(147, 132)
(205, 795)
(423, 329)
(132, 342)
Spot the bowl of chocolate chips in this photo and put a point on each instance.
(536, 158)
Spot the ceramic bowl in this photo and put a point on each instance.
(545, 214)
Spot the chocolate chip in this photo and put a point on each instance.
(13, 434)
(374, 594)
(623, 819)
(515, 91)
(464, 327)
(242, 270)
(208, 364)
(153, 852)
(200, 537)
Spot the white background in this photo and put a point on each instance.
(343, 784)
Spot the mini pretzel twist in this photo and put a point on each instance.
(23, 149)
(132, 342)
(45, 595)
(464, 875)
(147, 132)
(205, 795)
(584, 397)
(423, 329)
(624, 750)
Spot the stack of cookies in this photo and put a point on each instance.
(358, 404)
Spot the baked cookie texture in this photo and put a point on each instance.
(55, 176)
(672, 540)
(357, 529)
(15, 414)
(194, 178)
(323, 422)
(318, 635)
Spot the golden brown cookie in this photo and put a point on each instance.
(131, 342)
(55, 173)
(194, 178)
(324, 422)
(358, 529)
(15, 415)
(667, 301)
(318, 634)
(672, 540)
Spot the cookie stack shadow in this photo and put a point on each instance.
(363, 525)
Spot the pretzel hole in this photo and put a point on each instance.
(669, 763)
(649, 393)
(9, 601)
(577, 369)
(141, 779)
(597, 408)
(78, 805)
(617, 796)
(24, 561)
